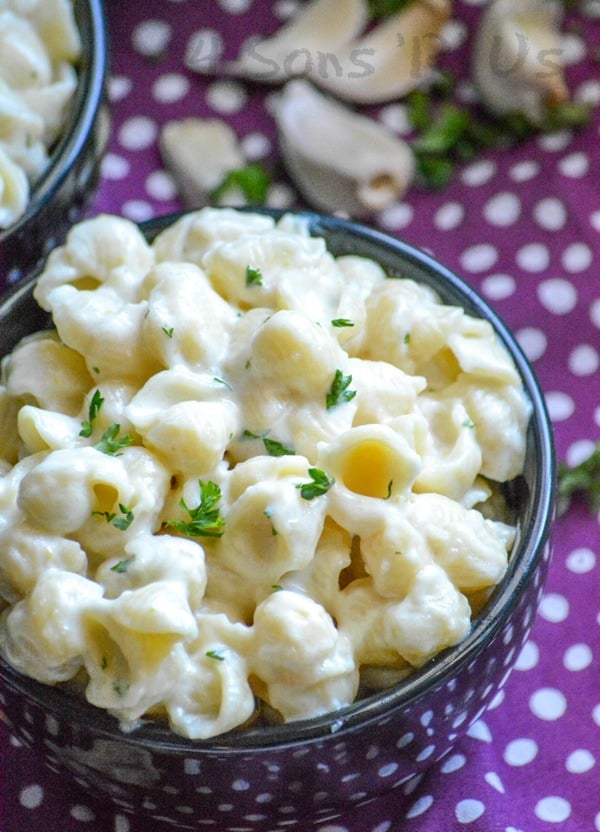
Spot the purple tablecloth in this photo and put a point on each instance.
(523, 227)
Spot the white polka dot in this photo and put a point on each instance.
(122, 824)
(553, 142)
(528, 657)
(226, 96)
(284, 9)
(575, 166)
(397, 216)
(524, 171)
(137, 133)
(235, 6)
(387, 770)
(520, 752)
(420, 806)
(580, 761)
(557, 295)
(119, 87)
(479, 258)
(579, 450)
(498, 286)
(548, 704)
(449, 216)
(584, 360)
(255, 146)
(554, 607)
(560, 405)
(170, 88)
(203, 49)
(533, 342)
(82, 813)
(577, 257)
(151, 37)
(595, 312)
(395, 117)
(581, 560)
(596, 714)
(114, 166)
(550, 213)
(467, 811)
(573, 49)
(588, 92)
(494, 781)
(137, 210)
(503, 209)
(480, 731)
(595, 220)
(453, 763)
(577, 657)
(31, 796)
(280, 195)
(533, 257)
(553, 809)
(160, 185)
(497, 700)
(478, 173)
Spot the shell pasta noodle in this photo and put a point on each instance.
(39, 49)
(244, 479)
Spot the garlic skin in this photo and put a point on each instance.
(340, 161)
(319, 28)
(517, 58)
(199, 153)
(390, 60)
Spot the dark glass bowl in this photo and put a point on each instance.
(59, 196)
(268, 777)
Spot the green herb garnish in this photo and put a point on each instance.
(272, 447)
(252, 180)
(122, 523)
(87, 426)
(386, 8)
(340, 322)
(205, 520)
(339, 392)
(320, 484)
(110, 441)
(583, 479)
(253, 276)
(122, 566)
(215, 654)
(168, 331)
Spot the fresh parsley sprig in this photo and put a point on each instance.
(110, 441)
(122, 522)
(272, 447)
(319, 485)
(583, 479)
(253, 276)
(339, 392)
(205, 520)
(252, 180)
(87, 426)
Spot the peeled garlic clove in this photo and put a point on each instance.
(199, 153)
(390, 60)
(517, 58)
(319, 29)
(338, 159)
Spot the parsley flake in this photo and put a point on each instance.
(253, 180)
(205, 520)
(253, 276)
(320, 484)
(87, 426)
(111, 443)
(583, 479)
(168, 331)
(340, 322)
(122, 566)
(339, 392)
(272, 447)
(215, 654)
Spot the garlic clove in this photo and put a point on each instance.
(516, 60)
(340, 161)
(390, 60)
(199, 153)
(306, 43)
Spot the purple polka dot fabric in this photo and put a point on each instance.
(522, 227)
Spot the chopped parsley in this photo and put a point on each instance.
(341, 322)
(339, 393)
(122, 566)
(272, 447)
(253, 276)
(583, 479)
(110, 441)
(205, 520)
(320, 484)
(253, 180)
(122, 522)
(87, 426)
(215, 654)
(222, 381)
(168, 331)
(386, 8)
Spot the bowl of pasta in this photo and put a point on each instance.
(53, 69)
(274, 528)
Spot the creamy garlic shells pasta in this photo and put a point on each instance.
(242, 478)
(39, 47)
